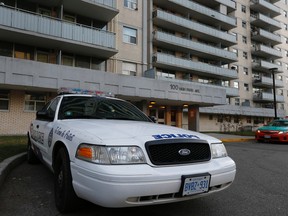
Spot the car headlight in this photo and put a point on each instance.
(218, 150)
(282, 132)
(110, 154)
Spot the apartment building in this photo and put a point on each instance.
(200, 65)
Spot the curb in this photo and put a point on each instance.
(8, 164)
(237, 139)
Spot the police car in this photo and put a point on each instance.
(106, 151)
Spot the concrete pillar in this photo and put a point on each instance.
(168, 115)
(179, 116)
(193, 118)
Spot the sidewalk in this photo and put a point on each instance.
(231, 138)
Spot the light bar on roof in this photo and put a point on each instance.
(65, 90)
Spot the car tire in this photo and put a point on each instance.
(31, 156)
(65, 196)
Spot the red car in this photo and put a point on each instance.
(276, 131)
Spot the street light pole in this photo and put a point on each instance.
(274, 91)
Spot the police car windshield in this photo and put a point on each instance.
(77, 107)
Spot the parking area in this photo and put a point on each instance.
(259, 189)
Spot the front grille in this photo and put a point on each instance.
(270, 132)
(166, 152)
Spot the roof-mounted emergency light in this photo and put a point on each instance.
(64, 90)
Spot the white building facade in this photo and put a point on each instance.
(201, 65)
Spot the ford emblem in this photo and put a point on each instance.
(184, 152)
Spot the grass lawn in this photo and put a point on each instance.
(12, 145)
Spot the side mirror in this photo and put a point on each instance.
(44, 115)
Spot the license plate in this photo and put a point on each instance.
(195, 184)
(267, 136)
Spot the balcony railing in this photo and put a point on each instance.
(31, 23)
(265, 7)
(265, 51)
(181, 24)
(267, 82)
(265, 22)
(174, 63)
(194, 47)
(266, 37)
(205, 13)
(269, 97)
(265, 66)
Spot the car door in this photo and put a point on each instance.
(43, 128)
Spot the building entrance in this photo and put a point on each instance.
(158, 113)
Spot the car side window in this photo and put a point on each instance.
(49, 109)
(53, 107)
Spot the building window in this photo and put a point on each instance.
(129, 68)
(220, 118)
(34, 102)
(244, 24)
(286, 27)
(246, 86)
(245, 70)
(69, 18)
(82, 62)
(245, 55)
(166, 74)
(42, 57)
(235, 51)
(6, 49)
(236, 84)
(4, 100)
(131, 4)
(24, 52)
(249, 119)
(244, 39)
(237, 101)
(243, 8)
(129, 35)
(67, 60)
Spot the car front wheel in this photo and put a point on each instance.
(65, 197)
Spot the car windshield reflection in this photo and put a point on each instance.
(74, 107)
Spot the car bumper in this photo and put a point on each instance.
(139, 185)
(272, 137)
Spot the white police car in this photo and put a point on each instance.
(106, 151)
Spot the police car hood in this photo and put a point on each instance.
(142, 131)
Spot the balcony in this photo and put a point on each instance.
(232, 92)
(181, 24)
(266, 37)
(241, 110)
(267, 82)
(171, 62)
(184, 45)
(201, 13)
(36, 30)
(265, 7)
(265, 51)
(267, 97)
(265, 66)
(102, 10)
(265, 22)
(230, 5)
